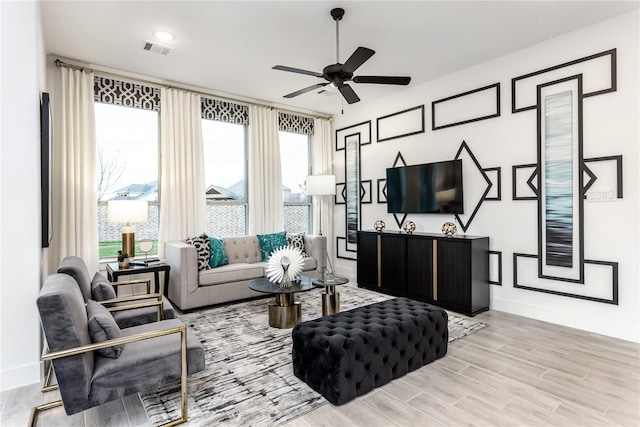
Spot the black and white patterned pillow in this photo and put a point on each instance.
(297, 241)
(203, 248)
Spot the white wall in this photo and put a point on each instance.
(610, 128)
(22, 81)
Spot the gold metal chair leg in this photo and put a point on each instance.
(46, 387)
(183, 382)
(37, 409)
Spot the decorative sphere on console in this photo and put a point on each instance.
(379, 225)
(449, 229)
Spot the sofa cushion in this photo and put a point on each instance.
(271, 242)
(203, 248)
(101, 288)
(232, 273)
(297, 241)
(242, 249)
(218, 254)
(103, 327)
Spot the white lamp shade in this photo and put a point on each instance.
(321, 185)
(127, 211)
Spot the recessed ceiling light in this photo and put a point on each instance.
(163, 35)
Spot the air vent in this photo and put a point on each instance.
(157, 48)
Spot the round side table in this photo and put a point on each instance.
(330, 297)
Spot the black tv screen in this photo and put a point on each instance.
(426, 188)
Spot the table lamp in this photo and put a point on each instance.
(322, 185)
(127, 211)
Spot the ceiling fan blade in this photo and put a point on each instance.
(297, 70)
(383, 80)
(305, 90)
(348, 94)
(356, 59)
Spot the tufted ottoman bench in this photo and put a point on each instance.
(347, 354)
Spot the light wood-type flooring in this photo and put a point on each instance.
(515, 372)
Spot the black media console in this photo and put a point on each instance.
(450, 272)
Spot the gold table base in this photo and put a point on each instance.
(330, 300)
(284, 312)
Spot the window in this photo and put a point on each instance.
(294, 158)
(225, 171)
(127, 167)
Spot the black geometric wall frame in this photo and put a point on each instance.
(597, 269)
(343, 251)
(363, 129)
(478, 104)
(482, 175)
(398, 125)
(366, 191)
(615, 160)
(400, 220)
(497, 256)
(524, 174)
(495, 176)
(593, 67)
(399, 160)
(560, 267)
(382, 190)
(341, 194)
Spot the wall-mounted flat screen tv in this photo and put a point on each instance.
(427, 188)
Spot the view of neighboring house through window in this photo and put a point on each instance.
(294, 158)
(225, 171)
(127, 168)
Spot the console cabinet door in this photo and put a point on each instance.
(368, 260)
(393, 256)
(454, 273)
(420, 267)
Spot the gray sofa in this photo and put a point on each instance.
(190, 288)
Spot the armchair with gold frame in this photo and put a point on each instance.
(152, 355)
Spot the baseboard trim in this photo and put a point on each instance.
(598, 325)
(21, 376)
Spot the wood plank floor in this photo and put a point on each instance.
(515, 372)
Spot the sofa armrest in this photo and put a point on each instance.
(183, 260)
(316, 247)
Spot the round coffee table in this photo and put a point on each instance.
(285, 311)
(330, 298)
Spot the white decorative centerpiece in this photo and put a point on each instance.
(284, 265)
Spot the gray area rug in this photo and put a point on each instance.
(248, 379)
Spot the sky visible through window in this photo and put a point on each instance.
(294, 160)
(127, 141)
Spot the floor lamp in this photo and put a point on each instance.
(321, 186)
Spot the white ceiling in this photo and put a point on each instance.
(230, 46)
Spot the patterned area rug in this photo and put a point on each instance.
(248, 379)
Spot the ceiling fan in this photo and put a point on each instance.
(338, 74)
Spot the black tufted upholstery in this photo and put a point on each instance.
(348, 354)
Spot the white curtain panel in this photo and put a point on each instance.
(75, 195)
(323, 165)
(182, 187)
(266, 211)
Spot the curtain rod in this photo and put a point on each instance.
(60, 63)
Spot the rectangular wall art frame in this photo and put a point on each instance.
(46, 169)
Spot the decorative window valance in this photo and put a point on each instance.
(295, 124)
(118, 92)
(224, 111)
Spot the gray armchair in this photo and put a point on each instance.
(76, 268)
(149, 355)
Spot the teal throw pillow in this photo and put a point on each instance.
(218, 254)
(271, 242)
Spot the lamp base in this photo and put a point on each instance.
(129, 244)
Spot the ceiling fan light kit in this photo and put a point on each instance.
(338, 74)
